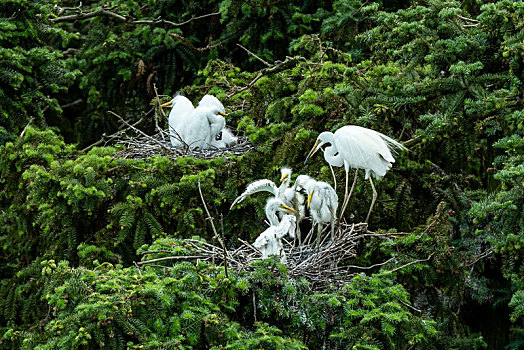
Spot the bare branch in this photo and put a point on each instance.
(280, 66)
(255, 56)
(107, 11)
(216, 236)
(191, 46)
(178, 257)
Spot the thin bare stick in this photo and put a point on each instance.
(178, 257)
(138, 130)
(411, 263)
(255, 56)
(138, 268)
(467, 19)
(272, 69)
(107, 11)
(25, 128)
(216, 236)
(191, 46)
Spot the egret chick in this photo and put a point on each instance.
(269, 242)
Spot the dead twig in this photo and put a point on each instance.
(255, 56)
(278, 67)
(178, 257)
(79, 14)
(216, 236)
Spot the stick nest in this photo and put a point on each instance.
(325, 266)
(143, 146)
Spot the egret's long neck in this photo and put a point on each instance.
(330, 153)
(272, 217)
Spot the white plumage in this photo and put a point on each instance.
(322, 202)
(266, 185)
(198, 127)
(269, 242)
(356, 147)
(286, 193)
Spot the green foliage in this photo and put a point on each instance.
(31, 72)
(444, 77)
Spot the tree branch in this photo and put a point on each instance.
(107, 11)
(280, 66)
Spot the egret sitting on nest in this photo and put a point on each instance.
(356, 147)
(269, 242)
(180, 111)
(226, 138)
(198, 127)
(322, 203)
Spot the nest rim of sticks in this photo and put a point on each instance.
(324, 267)
(139, 145)
(145, 146)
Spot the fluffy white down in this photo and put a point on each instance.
(269, 242)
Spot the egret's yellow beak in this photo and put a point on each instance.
(288, 209)
(309, 199)
(284, 176)
(223, 114)
(167, 104)
(313, 150)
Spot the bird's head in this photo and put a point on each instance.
(275, 204)
(286, 174)
(171, 103)
(321, 140)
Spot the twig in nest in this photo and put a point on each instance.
(137, 130)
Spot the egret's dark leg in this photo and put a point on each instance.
(346, 195)
(373, 200)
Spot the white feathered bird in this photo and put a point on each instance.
(199, 127)
(227, 138)
(356, 147)
(269, 242)
(180, 111)
(322, 203)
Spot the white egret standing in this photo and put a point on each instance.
(180, 110)
(269, 242)
(360, 148)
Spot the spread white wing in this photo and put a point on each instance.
(257, 186)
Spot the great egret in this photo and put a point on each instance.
(356, 147)
(322, 203)
(227, 138)
(284, 192)
(266, 185)
(196, 131)
(269, 242)
(188, 124)
(180, 110)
